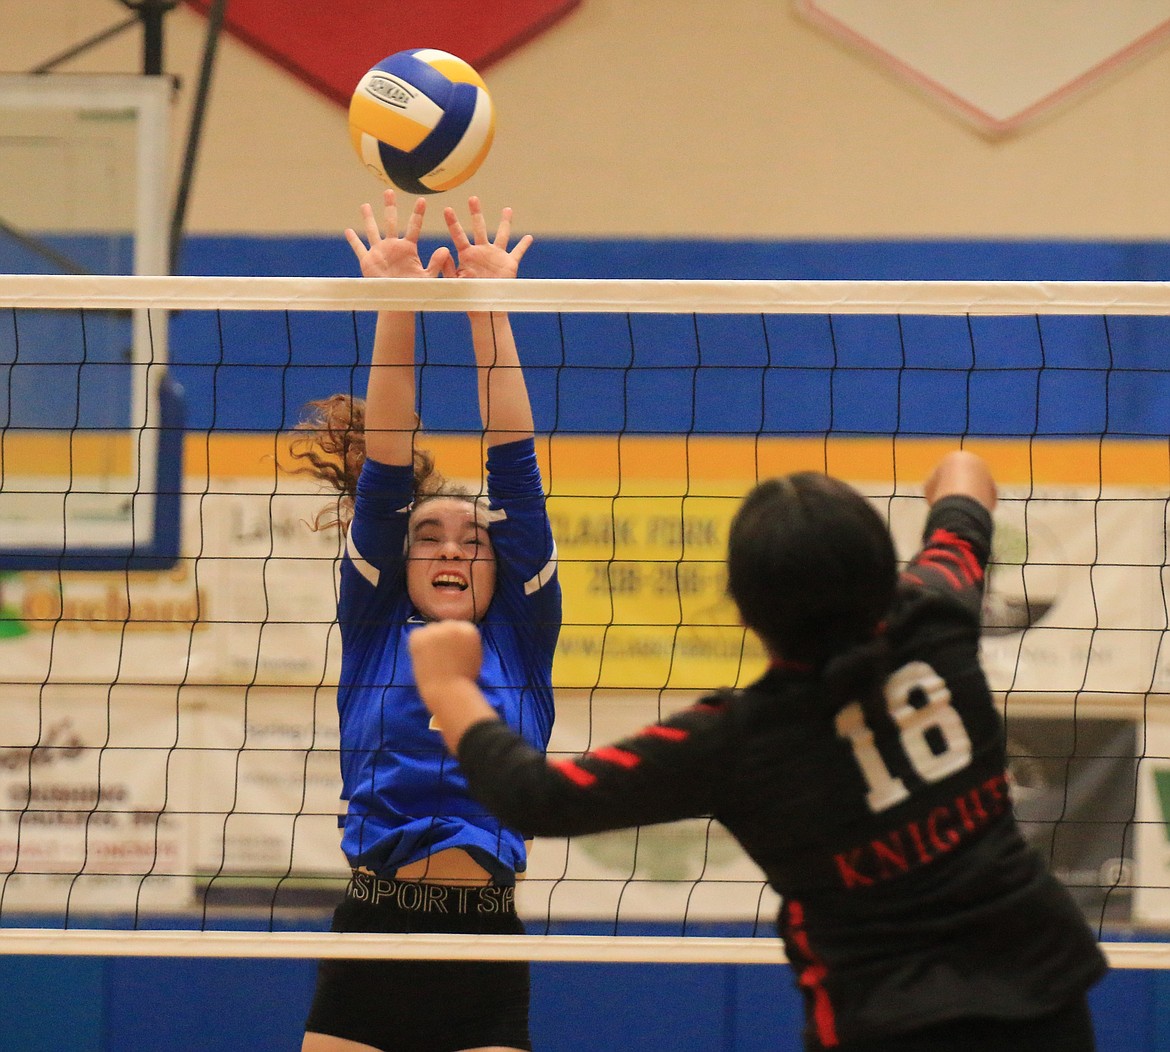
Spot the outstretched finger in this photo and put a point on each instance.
(390, 212)
(504, 230)
(522, 246)
(373, 235)
(415, 223)
(441, 263)
(478, 223)
(455, 229)
(356, 243)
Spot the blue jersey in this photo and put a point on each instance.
(405, 797)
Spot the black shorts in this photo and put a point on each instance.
(1068, 1029)
(427, 1005)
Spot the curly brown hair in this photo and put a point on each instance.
(331, 444)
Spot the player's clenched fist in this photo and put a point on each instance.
(444, 650)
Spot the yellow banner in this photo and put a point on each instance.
(645, 600)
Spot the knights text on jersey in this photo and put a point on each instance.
(909, 895)
(405, 797)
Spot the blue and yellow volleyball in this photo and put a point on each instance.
(422, 120)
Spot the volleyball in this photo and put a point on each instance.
(422, 120)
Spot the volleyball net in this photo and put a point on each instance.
(169, 772)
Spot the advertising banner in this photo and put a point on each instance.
(170, 738)
(264, 809)
(1075, 599)
(92, 784)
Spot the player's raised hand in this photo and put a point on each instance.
(394, 255)
(480, 255)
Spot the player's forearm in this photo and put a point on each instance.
(962, 473)
(504, 405)
(574, 796)
(390, 393)
(457, 704)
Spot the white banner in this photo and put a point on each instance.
(1075, 596)
(252, 601)
(90, 780)
(267, 799)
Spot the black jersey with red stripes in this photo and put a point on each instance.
(908, 894)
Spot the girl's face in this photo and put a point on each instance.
(450, 563)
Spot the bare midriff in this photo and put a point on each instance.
(450, 866)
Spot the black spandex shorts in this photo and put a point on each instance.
(423, 1006)
(1068, 1029)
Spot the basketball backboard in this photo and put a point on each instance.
(90, 426)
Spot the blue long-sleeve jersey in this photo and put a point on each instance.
(405, 797)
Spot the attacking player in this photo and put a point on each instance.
(864, 773)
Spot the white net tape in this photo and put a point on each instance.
(583, 948)
(984, 298)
